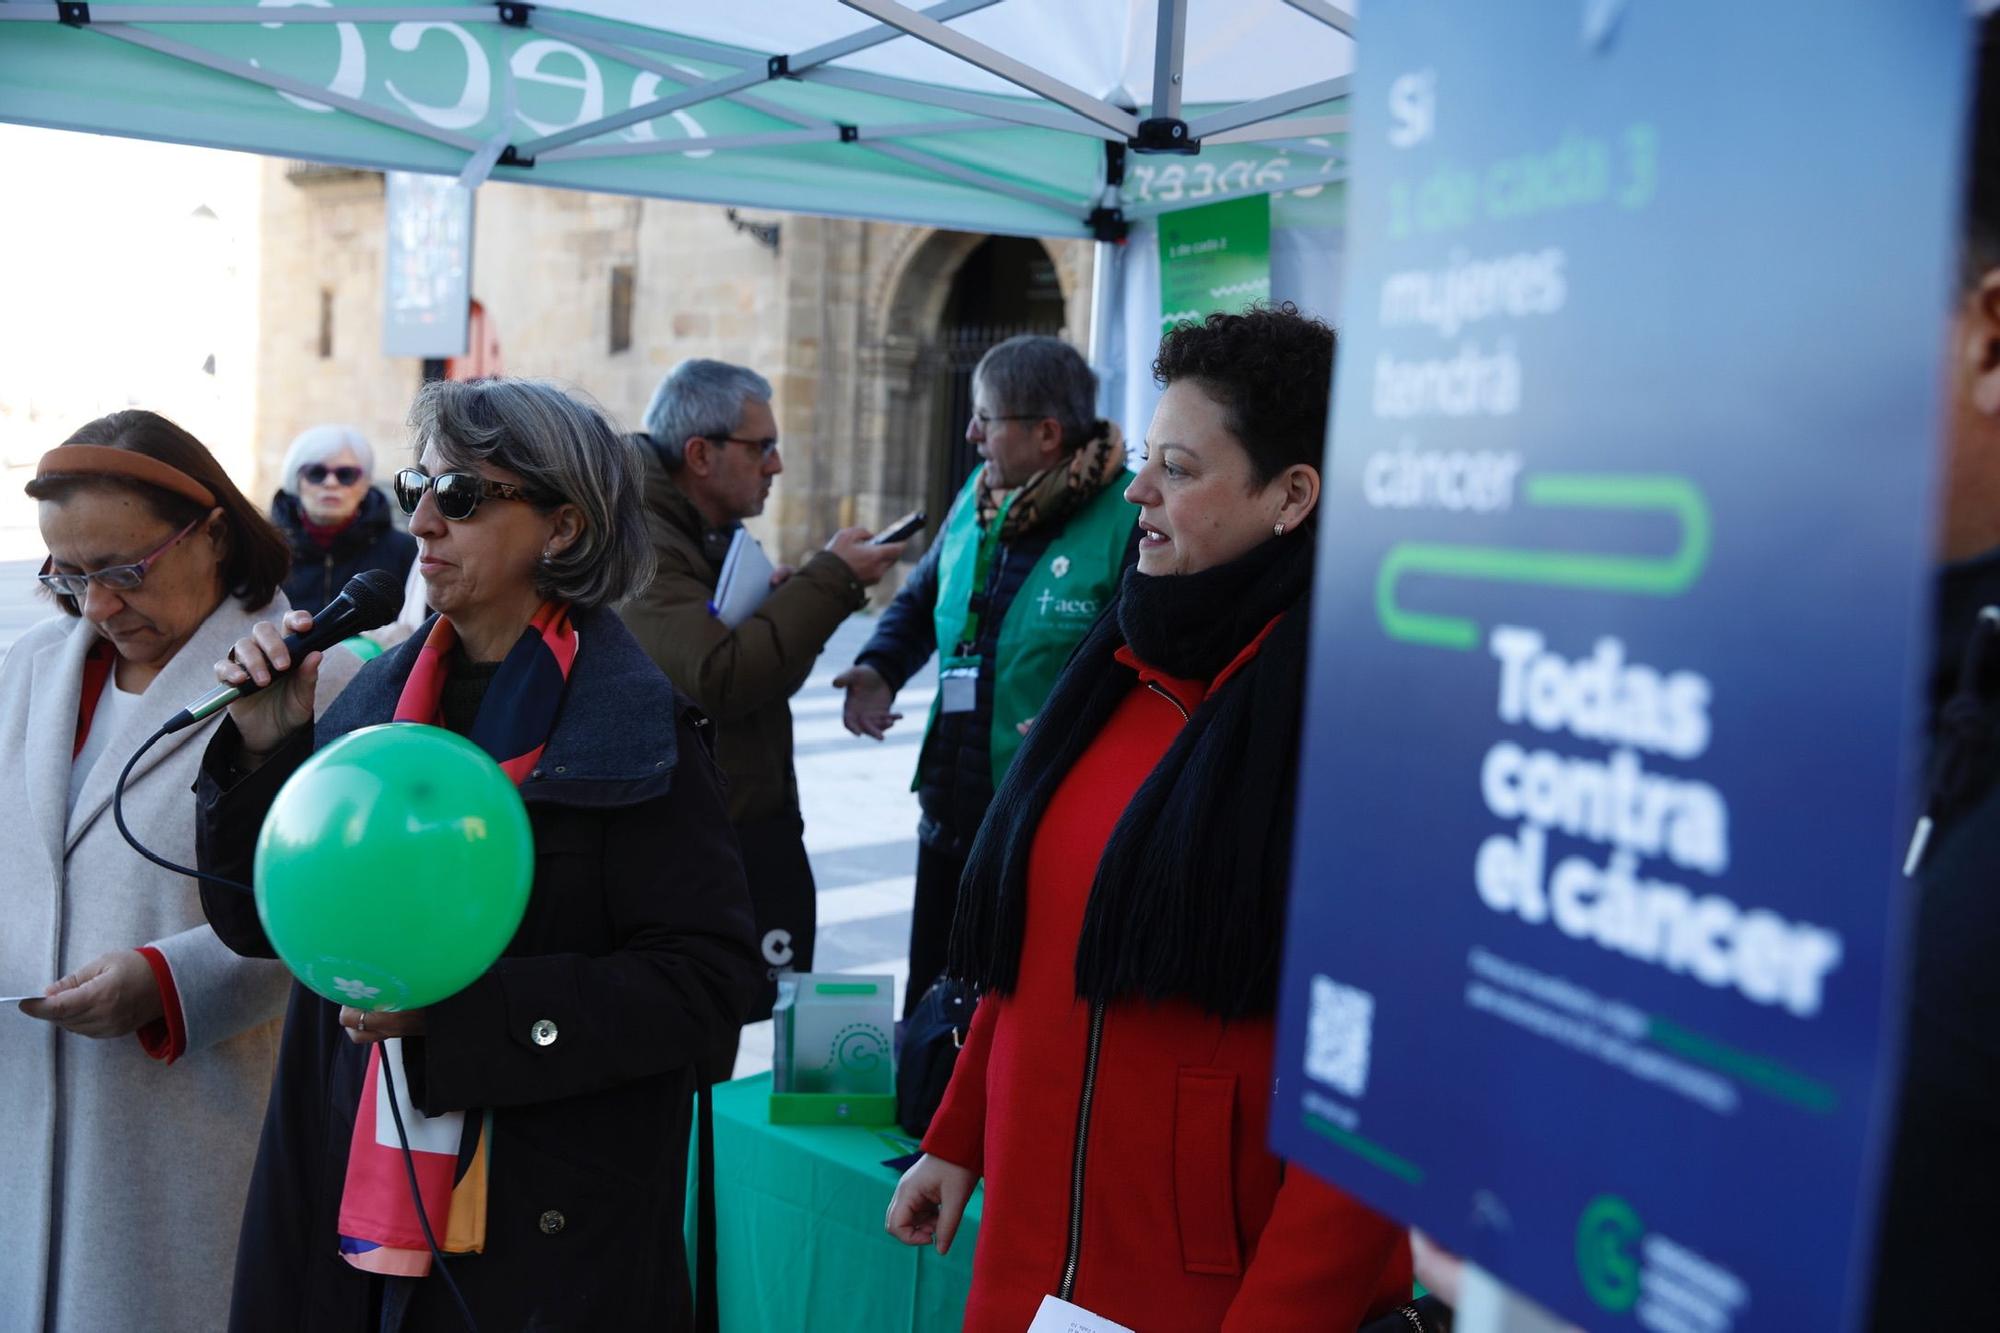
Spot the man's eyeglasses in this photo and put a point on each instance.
(317, 473)
(118, 578)
(458, 493)
(764, 448)
(986, 422)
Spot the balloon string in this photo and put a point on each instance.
(118, 815)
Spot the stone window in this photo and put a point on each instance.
(622, 280)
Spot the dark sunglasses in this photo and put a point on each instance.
(458, 493)
(317, 473)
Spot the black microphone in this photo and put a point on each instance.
(370, 600)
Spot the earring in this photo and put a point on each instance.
(1277, 529)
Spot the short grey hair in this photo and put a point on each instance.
(318, 444)
(1035, 375)
(564, 450)
(700, 397)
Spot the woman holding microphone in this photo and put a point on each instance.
(565, 1073)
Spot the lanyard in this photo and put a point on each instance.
(982, 570)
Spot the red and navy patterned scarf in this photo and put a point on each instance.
(379, 1228)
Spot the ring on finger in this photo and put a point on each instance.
(361, 1023)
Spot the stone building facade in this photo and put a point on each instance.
(866, 330)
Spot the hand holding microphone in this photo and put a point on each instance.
(266, 655)
(267, 717)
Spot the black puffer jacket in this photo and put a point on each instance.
(955, 769)
(371, 541)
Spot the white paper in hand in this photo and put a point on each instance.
(1059, 1316)
(745, 580)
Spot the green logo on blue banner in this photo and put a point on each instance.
(1605, 1259)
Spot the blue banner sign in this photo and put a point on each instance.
(1592, 962)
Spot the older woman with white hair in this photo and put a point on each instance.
(338, 524)
(564, 1076)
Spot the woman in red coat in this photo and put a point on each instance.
(1124, 903)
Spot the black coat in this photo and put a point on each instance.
(637, 945)
(1938, 1229)
(371, 541)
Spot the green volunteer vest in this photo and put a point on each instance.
(1063, 593)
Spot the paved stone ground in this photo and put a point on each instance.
(861, 817)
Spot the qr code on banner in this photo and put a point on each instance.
(1338, 1035)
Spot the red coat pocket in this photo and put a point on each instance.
(1204, 1178)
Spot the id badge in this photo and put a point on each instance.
(1059, 1316)
(958, 685)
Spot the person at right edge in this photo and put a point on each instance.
(1939, 1227)
(1029, 554)
(1123, 907)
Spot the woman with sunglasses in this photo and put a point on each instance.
(337, 523)
(564, 1076)
(132, 1090)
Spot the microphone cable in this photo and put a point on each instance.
(124, 831)
(389, 1079)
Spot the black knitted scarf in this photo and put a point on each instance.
(1189, 897)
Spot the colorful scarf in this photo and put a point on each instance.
(1047, 499)
(380, 1231)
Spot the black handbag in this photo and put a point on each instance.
(927, 1049)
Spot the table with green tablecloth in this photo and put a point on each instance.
(799, 1239)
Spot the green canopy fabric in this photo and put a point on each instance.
(692, 105)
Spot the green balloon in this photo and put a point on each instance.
(394, 867)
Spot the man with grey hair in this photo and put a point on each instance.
(711, 449)
(1031, 551)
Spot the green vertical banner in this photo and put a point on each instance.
(1216, 257)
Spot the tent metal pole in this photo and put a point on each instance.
(1104, 259)
(700, 92)
(1329, 15)
(915, 129)
(993, 62)
(1269, 108)
(1332, 16)
(582, 29)
(720, 143)
(875, 36)
(1300, 128)
(945, 167)
(817, 133)
(1169, 56)
(1038, 115)
(194, 55)
(748, 77)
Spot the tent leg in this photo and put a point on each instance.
(1106, 327)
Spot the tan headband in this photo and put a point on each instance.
(104, 461)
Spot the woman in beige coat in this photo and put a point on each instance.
(132, 1091)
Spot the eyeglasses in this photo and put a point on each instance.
(458, 493)
(317, 473)
(118, 578)
(764, 448)
(986, 421)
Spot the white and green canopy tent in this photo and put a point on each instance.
(1025, 117)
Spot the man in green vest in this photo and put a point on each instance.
(1031, 551)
